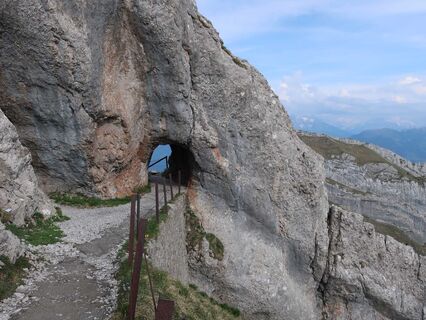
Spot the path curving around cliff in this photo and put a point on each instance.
(74, 279)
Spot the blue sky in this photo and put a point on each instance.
(345, 62)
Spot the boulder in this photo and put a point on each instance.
(20, 195)
(10, 246)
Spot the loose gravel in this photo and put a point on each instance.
(74, 279)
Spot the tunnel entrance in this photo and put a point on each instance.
(170, 159)
(159, 161)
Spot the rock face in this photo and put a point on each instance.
(369, 275)
(94, 86)
(10, 246)
(375, 182)
(20, 195)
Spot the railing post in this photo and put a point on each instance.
(157, 204)
(171, 186)
(165, 310)
(134, 286)
(138, 213)
(165, 193)
(132, 229)
(179, 180)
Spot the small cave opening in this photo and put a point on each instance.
(170, 160)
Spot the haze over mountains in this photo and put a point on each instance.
(407, 142)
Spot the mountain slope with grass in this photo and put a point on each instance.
(385, 188)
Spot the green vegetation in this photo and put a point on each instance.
(82, 201)
(11, 275)
(397, 234)
(153, 228)
(143, 189)
(196, 233)
(41, 231)
(190, 303)
(5, 217)
(330, 148)
(215, 246)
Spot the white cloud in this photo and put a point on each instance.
(355, 104)
(408, 80)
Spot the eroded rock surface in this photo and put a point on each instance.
(375, 182)
(20, 195)
(369, 275)
(93, 86)
(10, 246)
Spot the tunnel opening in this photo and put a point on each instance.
(168, 160)
(159, 161)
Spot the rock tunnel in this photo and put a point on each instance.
(170, 159)
(102, 97)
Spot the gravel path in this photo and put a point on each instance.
(75, 279)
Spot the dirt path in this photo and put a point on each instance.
(75, 279)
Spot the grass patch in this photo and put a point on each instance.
(190, 303)
(41, 231)
(215, 246)
(195, 235)
(143, 189)
(5, 217)
(11, 275)
(82, 201)
(397, 234)
(153, 228)
(329, 148)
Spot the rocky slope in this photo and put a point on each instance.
(93, 86)
(376, 183)
(20, 195)
(369, 275)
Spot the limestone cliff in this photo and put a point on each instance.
(20, 195)
(93, 86)
(369, 275)
(375, 182)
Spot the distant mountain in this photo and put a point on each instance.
(311, 124)
(411, 144)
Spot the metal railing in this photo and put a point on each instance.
(164, 309)
(158, 161)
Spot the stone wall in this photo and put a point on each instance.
(168, 251)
